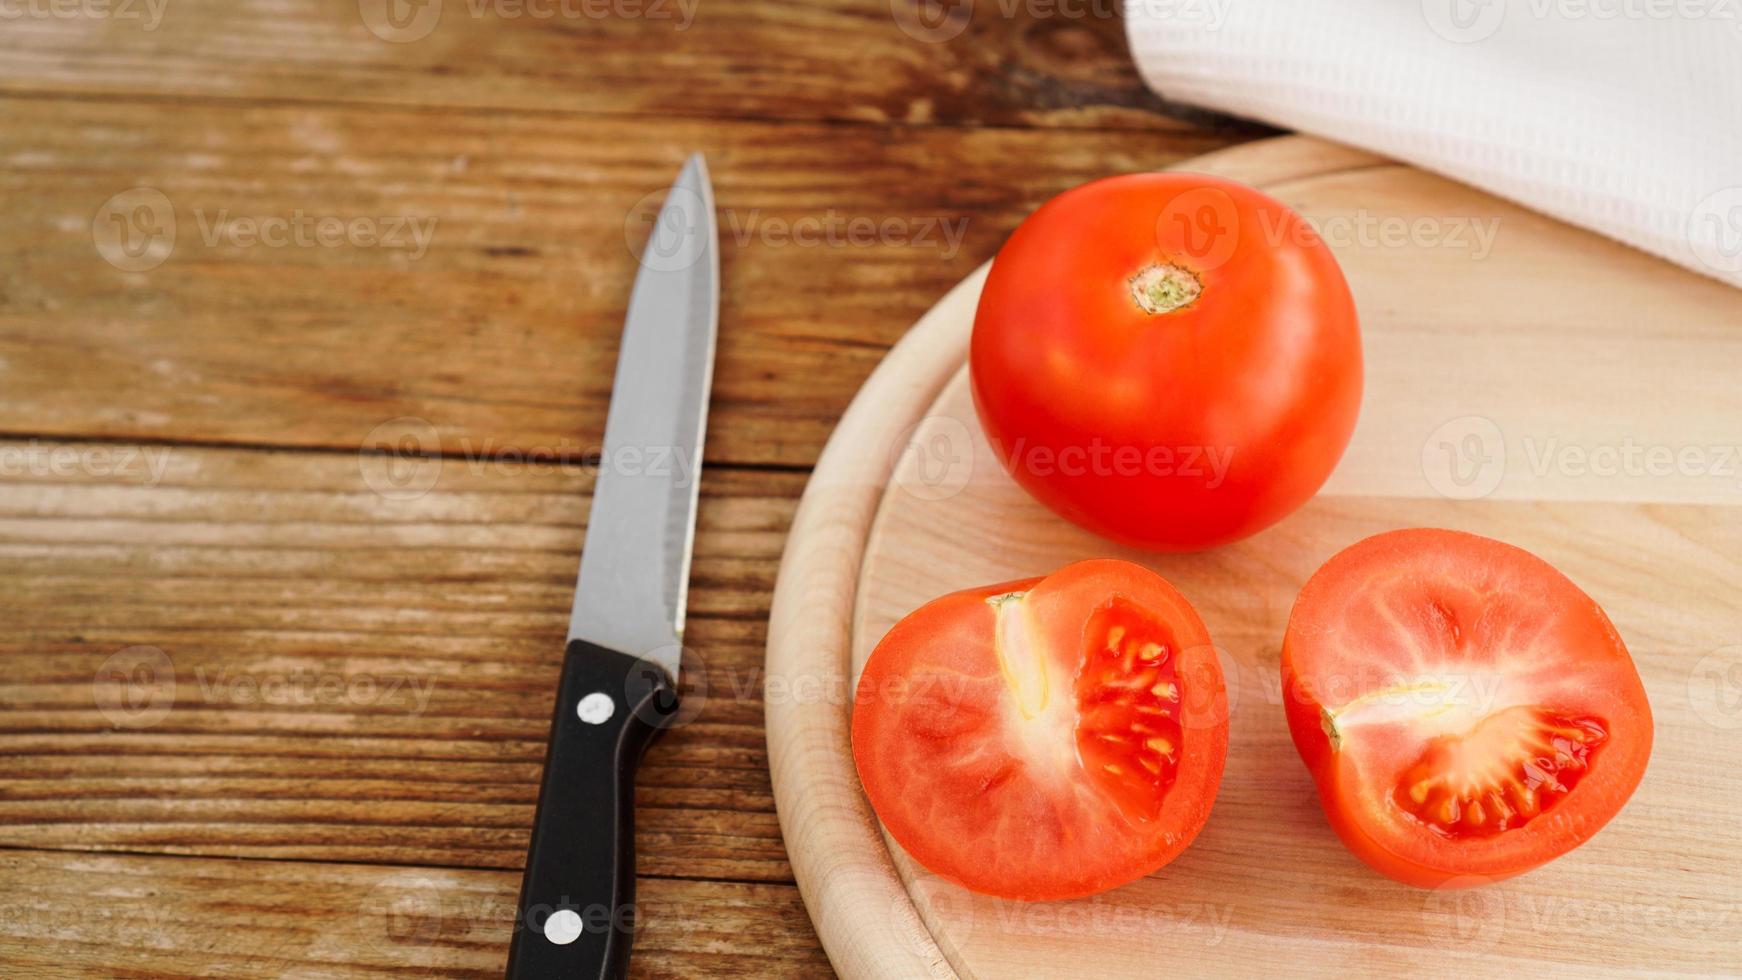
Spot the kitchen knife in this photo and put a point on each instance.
(620, 667)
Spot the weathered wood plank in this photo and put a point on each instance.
(364, 677)
(1056, 63)
(355, 677)
(130, 916)
(499, 326)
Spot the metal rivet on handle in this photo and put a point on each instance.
(596, 708)
(564, 925)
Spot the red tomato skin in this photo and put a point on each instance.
(1427, 861)
(951, 634)
(1195, 427)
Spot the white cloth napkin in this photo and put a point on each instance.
(1623, 116)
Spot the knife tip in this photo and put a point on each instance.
(695, 170)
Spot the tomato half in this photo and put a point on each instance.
(1169, 360)
(1048, 738)
(1466, 711)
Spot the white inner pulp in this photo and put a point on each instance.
(1019, 655)
(1165, 288)
(1041, 718)
(1433, 704)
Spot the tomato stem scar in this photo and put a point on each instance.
(1162, 289)
(1328, 722)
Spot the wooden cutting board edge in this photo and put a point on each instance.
(857, 900)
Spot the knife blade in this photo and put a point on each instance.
(630, 596)
(618, 686)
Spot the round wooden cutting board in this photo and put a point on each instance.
(1525, 380)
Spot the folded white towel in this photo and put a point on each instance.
(1623, 116)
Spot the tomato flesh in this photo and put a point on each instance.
(1467, 712)
(1048, 738)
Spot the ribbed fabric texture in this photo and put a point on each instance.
(1622, 116)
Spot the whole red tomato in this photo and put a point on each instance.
(1169, 360)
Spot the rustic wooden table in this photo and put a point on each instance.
(275, 707)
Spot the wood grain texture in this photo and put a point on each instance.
(137, 917)
(362, 677)
(1555, 354)
(1003, 63)
(501, 332)
(355, 678)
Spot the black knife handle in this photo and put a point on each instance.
(577, 900)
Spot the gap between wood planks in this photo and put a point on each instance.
(1192, 121)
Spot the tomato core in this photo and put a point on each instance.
(1120, 723)
(1510, 769)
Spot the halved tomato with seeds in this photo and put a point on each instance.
(1048, 738)
(1467, 712)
